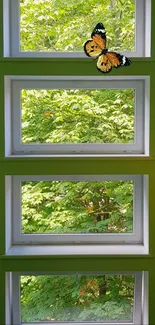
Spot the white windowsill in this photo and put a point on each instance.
(15, 149)
(79, 156)
(77, 250)
(75, 323)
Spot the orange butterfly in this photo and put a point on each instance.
(96, 47)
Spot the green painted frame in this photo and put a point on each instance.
(118, 165)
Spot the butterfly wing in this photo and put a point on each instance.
(99, 35)
(103, 64)
(117, 60)
(95, 46)
(92, 49)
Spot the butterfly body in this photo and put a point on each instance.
(104, 51)
(96, 47)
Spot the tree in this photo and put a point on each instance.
(77, 116)
(77, 298)
(59, 25)
(73, 207)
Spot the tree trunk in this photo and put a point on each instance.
(112, 3)
(102, 285)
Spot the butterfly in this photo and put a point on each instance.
(96, 47)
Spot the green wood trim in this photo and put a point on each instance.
(29, 166)
(69, 264)
(66, 60)
(70, 68)
(69, 167)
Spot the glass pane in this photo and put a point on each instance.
(78, 116)
(77, 207)
(64, 25)
(77, 298)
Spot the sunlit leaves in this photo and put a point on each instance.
(52, 25)
(78, 116)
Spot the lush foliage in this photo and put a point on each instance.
(67, 207)
(58, 25)
(77, 116)
(72, 207)
(77, 298)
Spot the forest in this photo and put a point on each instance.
(77, 116)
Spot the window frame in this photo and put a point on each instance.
(11, 165)
(12, 33)
(138, 298)
(15, 84)
(18, 243)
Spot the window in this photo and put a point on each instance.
(59, 29)
(82, 115)
(38, 61)
(85, 296)
(78, 210)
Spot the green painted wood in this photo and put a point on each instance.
(75, 166)
(73, 264)
(70, 67)
(30, 166)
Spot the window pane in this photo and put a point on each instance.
(78, 116)
(58, 25)
(77, 207)
(77, 298)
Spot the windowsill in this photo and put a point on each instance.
(77, 250)
(65, 59)
(77, 323)
(47, 156)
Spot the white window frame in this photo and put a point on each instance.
(11, 14)
(13, 315)
(77, 244)
(14, 85)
